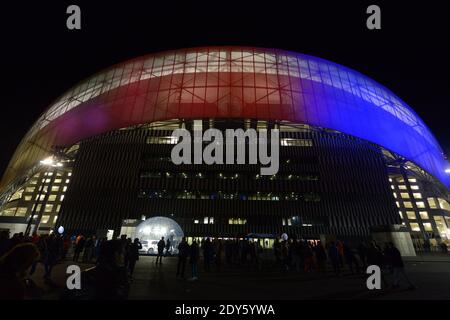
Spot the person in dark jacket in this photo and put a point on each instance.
(108, 280)
(333, 255)
(133, 255)
(350, 258)
(194, 253)
(321, 256)
(183, 253)
(398, 267)
(79, 246)
(161, 246)
(14, 265)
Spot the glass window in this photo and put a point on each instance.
(427, 226)
(55, 218)
(52, 197)
(411, 215)
(423, 215)
(196, 221)
(58, 180)
(392, 187)
(29, 189)
(417, 195)
(55, 189)
(420, 204)
(45, 219)
(415, 227)
(443, 204)
(404, 195)
(48, 208)
(27, 198)
(412, 180)
(441, 226)
(395, 195)
(414, 187)
(296, 142)
(162, 140)
(402, 187)
(407, 204)
(401, 214)
(21, 211)
(432, 203)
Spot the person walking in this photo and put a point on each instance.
(362, 254)
(168, 248)
(333, 255)
(88, 247)
(398, 267)
(350, 258)
(133, 255)
(321, 256)
(194, 254)
(183, 254)
(79, 246)
(161, 246)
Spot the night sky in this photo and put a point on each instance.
(42, 58)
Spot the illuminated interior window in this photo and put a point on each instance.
(402, 187)
(417, 195)
(443, 204)
(420, 204)
(432, 203)
(48, 208)
(404, 195)
(427, 226)
(400, 214)
(407, 204)
(45, 219)
(424, 215)
(412, 180)
(162, 140)
(414, 187)
(411, 215)
(392, 187)
(395, 195)
(52, 197)
(21, 211)
(414, 226)
(296, 142)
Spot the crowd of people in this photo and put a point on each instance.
(115, 260)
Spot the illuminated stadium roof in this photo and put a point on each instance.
(231, 82)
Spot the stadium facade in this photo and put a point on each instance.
(353, 156)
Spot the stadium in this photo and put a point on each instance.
(353, 156)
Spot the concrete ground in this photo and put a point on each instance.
(430, 273)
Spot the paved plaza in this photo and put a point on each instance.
(431, 275)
